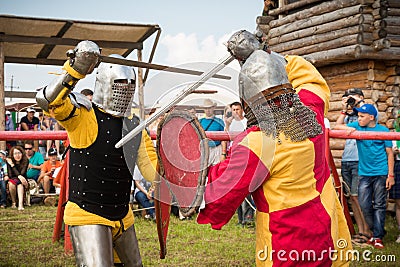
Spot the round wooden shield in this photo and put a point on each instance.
(182, 148)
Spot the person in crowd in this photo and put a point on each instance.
(42, 126)
(192, 110)
(234, 120)
(3, 178)
(226, 117)
(88, 93)
(57, 178)
(53, 125)
(352, 98)
(9, 126)
(35, 161)
(375, 168)
(394, 192)
(30, 123)
(18, 183)
(238, 123)
(48, 169)
(144, 194)
(100, 175)
(59, 175)
(280, 159)
(211, 123)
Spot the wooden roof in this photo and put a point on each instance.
(334, 31)
(45, 41)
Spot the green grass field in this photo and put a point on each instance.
(26, 240)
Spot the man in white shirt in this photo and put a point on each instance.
(238, 123)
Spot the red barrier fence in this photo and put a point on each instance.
(225, 136)
(222, 136)
(32, 135)
(364, 135)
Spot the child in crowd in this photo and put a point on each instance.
(375, 168)
(48, 171)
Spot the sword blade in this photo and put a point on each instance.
(144, 65)
(206, 76)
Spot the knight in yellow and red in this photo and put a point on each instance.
(280, 160)
(100, 176)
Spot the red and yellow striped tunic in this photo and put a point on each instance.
(299, 220)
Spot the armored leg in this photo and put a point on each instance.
(128, 249)
(92, 245)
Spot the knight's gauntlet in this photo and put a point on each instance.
(81, 61)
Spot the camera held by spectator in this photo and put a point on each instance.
(351, 102)
(352, 98)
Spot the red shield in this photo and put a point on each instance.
(182, 150)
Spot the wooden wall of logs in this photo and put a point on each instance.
(353, 43)
(379, 81)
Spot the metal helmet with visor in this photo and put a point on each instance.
(115, 88)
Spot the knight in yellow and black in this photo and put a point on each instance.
(100, 177)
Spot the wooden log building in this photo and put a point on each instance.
(353, 43)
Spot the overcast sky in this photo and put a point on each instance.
(192, 31)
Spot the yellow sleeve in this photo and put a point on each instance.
(81, 126)
(147, 158)
(304, 76)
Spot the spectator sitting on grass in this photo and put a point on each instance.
(48, 169)
(144, 194)
(18, 183)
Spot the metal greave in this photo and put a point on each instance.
(127, 248)
(93, 246)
